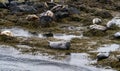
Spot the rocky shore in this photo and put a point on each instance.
(60, 29)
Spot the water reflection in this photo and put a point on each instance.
(12, 60)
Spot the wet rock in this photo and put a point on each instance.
(60, 45)
(32, 17)
(23, 8)
(73, 10)
(102, 55)
(3, 5)
(96, 21)
(45, 21)
(60, 15)
(13, 3)
(40, 7)
(49, 34)
(50, 5)
(7, 33)
(114, 22)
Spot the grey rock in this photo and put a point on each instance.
(23, 8)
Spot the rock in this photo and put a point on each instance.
(73, 10)
(13, 3)
(60, 15)
(49, 34)
(45, 21)
(7, 33)
(96, 21)
(60, 45)
(39, 6)
(102, 55)
(114, 22)
(3, 5)
(50, 5)
(23, 8)
(98, 27)
(32, 17)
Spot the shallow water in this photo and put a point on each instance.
(12, 60)
(108, 48)
(66, 37)
(19, 32)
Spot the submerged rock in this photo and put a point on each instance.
(60, 44)
(96, 21)
(102, 55)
